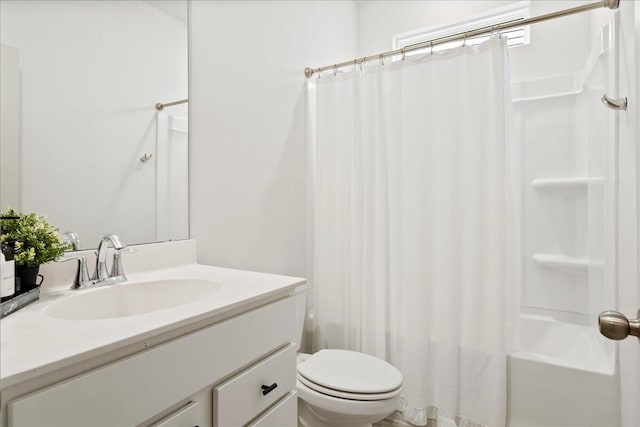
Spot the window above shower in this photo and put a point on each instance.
(518, 36)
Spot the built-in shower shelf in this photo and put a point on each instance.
(564, 262)
(577, 183)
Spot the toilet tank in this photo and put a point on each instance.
(301, 307)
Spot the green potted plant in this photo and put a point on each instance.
(34, 242)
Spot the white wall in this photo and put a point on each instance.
(92, 72)
(247, 125)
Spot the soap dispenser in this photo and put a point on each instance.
(7, 273)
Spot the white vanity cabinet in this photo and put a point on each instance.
(240, 371)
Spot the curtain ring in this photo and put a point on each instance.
(431, 51)
(335, 69)
(464, 41)
(403, 55)
(500, 31)
(382, 60)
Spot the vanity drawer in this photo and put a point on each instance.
(241, 398)
(187, 416)
(282, 414)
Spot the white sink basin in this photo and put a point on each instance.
(130, 299)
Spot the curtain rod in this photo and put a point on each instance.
(160, 106)
(611, 4)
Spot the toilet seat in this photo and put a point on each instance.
(349, 396)
(350, 375)
(348, 407)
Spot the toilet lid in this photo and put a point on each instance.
(351, 372)
(345, 395)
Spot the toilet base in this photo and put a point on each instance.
(308, 417)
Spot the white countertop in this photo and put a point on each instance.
(32, 343)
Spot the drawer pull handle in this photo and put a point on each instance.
(266, 389)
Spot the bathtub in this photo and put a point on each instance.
(562, 374)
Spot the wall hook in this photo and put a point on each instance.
(145, 158)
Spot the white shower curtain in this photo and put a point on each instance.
(414, 249)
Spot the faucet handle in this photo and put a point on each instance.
(72, 239)
(82, 274)
(116, 266)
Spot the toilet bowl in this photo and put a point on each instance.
(340, 387)
(345, 388)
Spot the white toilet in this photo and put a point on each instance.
(343, 388)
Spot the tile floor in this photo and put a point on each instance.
(393, 420)
(396, 420)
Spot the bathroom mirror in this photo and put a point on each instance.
(81, 140)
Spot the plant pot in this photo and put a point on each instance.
(27, 278)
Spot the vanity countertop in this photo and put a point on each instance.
(33, 343)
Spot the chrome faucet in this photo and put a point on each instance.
(102, 275)
(101, 264)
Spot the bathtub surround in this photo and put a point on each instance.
(570, 174)
(416, 237)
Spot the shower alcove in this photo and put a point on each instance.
(568, 152)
